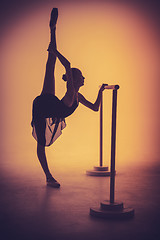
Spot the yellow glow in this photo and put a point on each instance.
(111, 44)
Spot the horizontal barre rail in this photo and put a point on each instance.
(113, 87)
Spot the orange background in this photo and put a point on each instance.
(111, 43)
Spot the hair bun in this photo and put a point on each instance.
(64, 77)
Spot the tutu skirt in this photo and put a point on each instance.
(48, 118)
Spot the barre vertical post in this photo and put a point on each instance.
(101, 131)
(100, 170)
(110, 209)
(113, 145)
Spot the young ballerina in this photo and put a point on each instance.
(49, 113)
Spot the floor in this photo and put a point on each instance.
(30, 210)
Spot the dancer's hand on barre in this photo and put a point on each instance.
(103, 87)
(94, 106)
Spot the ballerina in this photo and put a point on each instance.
(49, 112)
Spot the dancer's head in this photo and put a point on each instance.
(78, 79)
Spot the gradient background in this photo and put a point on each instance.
(114, 42)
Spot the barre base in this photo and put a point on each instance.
(113, 211)
(99, 171)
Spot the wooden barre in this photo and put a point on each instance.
(113, 87)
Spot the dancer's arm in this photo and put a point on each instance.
(68, 99)
(61, 58)
(93, 106)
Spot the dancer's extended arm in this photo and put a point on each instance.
(93, 106)
(69, 96)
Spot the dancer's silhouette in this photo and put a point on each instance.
(49, 112)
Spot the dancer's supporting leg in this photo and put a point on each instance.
(48, 87)
(43, 161)
(40, 126)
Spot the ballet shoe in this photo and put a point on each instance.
(53, 18)
(51, 182)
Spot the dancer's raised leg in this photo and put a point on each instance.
(49, 79)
